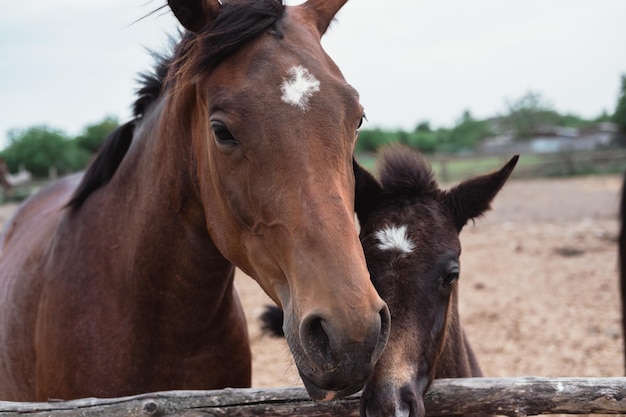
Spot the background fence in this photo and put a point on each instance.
(457, 167)
(453, 168)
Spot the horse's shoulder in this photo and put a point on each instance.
(37, 215)
(23, 272)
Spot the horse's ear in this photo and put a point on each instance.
(473, 197)
(194, 14)
(367, 193)
(324, 11)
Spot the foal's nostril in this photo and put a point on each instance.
(412, 403)
(315, 339)
(383, 400)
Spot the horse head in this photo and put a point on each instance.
(272, 124)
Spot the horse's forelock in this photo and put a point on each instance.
(237, 23)
(405, 172)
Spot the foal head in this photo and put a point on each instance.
(410, 235)
(272, 124)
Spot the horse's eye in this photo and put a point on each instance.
(361, 120)
(223, 135)
(450, 278)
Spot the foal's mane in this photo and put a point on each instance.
(237, 23)
(405, 173)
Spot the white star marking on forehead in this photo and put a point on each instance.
(298, 87)
(394, 238)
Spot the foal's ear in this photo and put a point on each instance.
(473, 197)
(324, 11)
(367, 192)
(194, 14)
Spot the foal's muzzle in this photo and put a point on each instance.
(388, 400)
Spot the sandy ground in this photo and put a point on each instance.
(539, 289)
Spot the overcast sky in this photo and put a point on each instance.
(69, 63)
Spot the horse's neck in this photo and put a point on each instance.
(162, 219)
(457, 359)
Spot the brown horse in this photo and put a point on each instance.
(121, 281)
(410, 235)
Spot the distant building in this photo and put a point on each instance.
(553, 139)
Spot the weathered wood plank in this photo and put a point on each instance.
(528, 396)
(504, 396)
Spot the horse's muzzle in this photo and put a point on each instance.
(340, 361)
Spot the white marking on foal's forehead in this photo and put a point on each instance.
(394, 238)
(298, 87)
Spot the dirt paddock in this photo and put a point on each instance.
(539, 287)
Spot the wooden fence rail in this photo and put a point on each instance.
(503, 396)
(454, 168)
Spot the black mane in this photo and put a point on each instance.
(406, 173)
(151, 83)
(238, 22)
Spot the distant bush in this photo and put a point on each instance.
(40, 148)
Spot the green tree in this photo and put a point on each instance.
(467, 133)
(93, 135)
(423, 126)
(603, 117)
(619, 115)
(425, 141)
(527, 114)
(371, 139)
(570, 120)
(40, 148)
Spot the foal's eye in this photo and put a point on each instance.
(450, 278)
(223, 135)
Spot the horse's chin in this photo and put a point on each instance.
(318, 393)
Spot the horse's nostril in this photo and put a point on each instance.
(315, 339)
(385, 327)
(323, 344)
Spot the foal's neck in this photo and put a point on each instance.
(456, 359)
